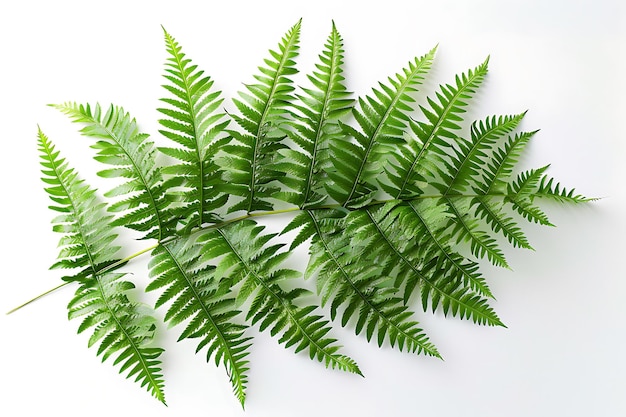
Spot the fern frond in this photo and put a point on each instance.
(143, 205)
(382, 120)
(520, 194)
(207, 308)
(193, 122)
(422, 156)
(248, 160)
(467, 159)
(492, 213)
(315, 125)
(499, 167)
(242, 257)
(398, 205)
(360, 287)
(122, 328)
(467, 229)
(550, 188)
(419, 258)
(426, 222)
(87, 238)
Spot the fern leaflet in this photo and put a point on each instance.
(248, 159)
(192, 122)
(420, 160)
(382, 120)
(122, 328)
(247, 260)
(207, 307)
(120, 144)
(314, 127)
(357, 287)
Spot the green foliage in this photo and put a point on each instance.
(122, 328)
(207, 309)
(395, 201)
(132, 154)
(192, 122)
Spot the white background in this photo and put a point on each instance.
(563, 351)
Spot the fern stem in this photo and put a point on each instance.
(126, 259)
(249, 215)
(102, 271)
(32, 300)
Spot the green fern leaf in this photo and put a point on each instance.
(426, 221)
(360, 288)
(491, 212)
(520, 194)
(122, 328)
(421, 157)
(467, 229)
(395, 201)
(499, 167)
(194, 297)
(119, 143)
(549, 188)
(393, 246)
(246, 259)
(382, 120)
(467, 159)
(249, 157)
(192, 122)
(314, 126)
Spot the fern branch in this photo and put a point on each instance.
(442, 119)
(121, 327)
(358, 288)
(248, 161)
(120, 144)
(197, 299)
(192, 121)
(496, 219)
(481, 243)
(550, 188)
(390, 246)
(453, 269)
(468, 161)
(382, 121)
(448, 196)
(500, 222)
(247, 260)
(499, 167)
(314, 126)
(521, 192)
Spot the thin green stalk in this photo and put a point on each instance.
(32, 300)
(102, 271)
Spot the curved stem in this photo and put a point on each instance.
(32, 300)
(102, 271)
